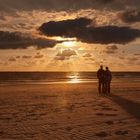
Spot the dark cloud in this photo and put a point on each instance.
(58, 5)
(65, 54)
(64, 28)
(15, 40)
(106, 1)
(130, 16)
(81, 29)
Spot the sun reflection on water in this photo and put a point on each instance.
(74, 78)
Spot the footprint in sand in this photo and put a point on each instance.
(106, 108)
(110, 122)
(99, 114)
(110, 114)
(138, 137)
(125, 132)
(101, 134)
(68, 128)
(102, 114)
(71, 107)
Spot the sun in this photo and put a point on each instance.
(69, 43)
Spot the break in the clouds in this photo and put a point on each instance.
(82, 29)
(15, 40)
(130, 16)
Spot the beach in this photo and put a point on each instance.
(69, 111)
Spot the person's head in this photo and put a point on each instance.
(107, 68)
(101, 67)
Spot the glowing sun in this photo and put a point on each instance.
(69, 43)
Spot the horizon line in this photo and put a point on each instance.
(70, 71)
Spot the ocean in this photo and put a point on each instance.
(62, 77)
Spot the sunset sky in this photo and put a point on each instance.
(69, 35)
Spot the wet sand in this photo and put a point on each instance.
(69, 112)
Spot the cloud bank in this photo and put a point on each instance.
(57, 5)
(81, 29)
(15, 40)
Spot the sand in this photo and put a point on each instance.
(69, 112)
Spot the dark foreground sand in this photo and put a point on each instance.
(69, 112)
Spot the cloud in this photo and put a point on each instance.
(64, 28)
(38, 55)
(112, 47)
(15, 40)
(26, 56)
(106, 1)
(81, 29)
(130, 16)
(109, 51)
(65, 54)
(133, 59)
(18, 57)
(121, 57)
(12, 59)
(57, 5)
(2, 17)
(87, 55)
(137, 54)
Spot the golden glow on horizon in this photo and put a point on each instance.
(69, 43)
(59, 38)
(74, 81)
(74, 78)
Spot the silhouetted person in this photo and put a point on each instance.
(108, 78)
(101, 78)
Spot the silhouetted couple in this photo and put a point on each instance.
(105, 78)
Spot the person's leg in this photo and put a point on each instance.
(108, 87)
(105, 87)
(99, 86)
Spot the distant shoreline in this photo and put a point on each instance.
(64, 71)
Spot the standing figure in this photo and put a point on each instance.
(101, 78)
(108, 78)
